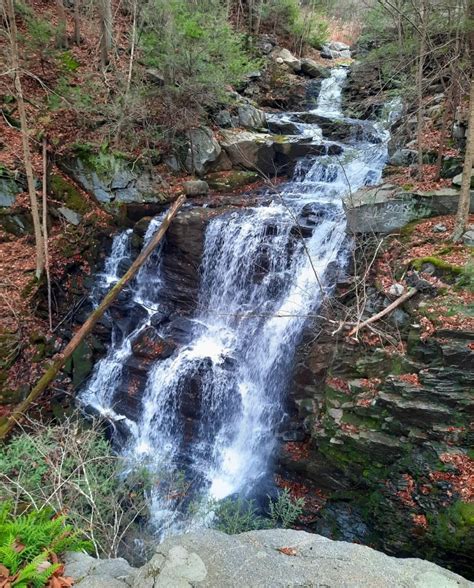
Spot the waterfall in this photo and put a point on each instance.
(265, 270)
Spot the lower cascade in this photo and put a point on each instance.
(264, 271)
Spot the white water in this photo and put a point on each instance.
(261, 279)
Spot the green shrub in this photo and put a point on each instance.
(285, 510)
(238, 515)
(72, 469)
(28, 541)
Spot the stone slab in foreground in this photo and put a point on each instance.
(211, 559)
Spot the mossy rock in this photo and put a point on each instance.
(16, 223)
(67, 192)
(442, 266)
(228, 182)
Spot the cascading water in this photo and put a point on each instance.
(264, 270)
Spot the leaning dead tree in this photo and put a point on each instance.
(87, 327)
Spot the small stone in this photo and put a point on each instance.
(439, 228)
(279, 60)
(196, 188)
(72, 217)
(468, 238)
(396, 290)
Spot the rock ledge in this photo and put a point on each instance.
(264, 559)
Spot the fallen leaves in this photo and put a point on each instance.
(462, 481)
(287, 551)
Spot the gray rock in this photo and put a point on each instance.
(312, 69)
(196, 188)
(439, 228)
(396, 290)
(78, 564)
(202, 150)
(251, 117)
(155, 77)
(212, 560)
(223, 119)
(287, 58)
(248, 150)
(89, 572)
(388, 208)
(113, 179)
(72, 217)
(101, 582)
(328, 53)
(338, 46)
(9, 189)
(457, 180)
(403, 157)
(468, 238)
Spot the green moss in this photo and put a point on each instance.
(453, 528)
(67, 192)
(438, 263)
(69, 62)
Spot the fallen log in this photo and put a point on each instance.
(411, 292)
(42, 384)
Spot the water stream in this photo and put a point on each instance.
(264, 271)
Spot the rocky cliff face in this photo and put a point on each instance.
(384, 435)
(261, 559)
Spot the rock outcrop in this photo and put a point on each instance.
(387, 208)
(262, 559)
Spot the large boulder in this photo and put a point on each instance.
(388, 208)
(287, 58)
(201, 150)
(335, 50)
(249, 150)
(113, 179)
(10, 187)
(403, 157)
(313, 70)
(279, 558)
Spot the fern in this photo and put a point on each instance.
(28, 540)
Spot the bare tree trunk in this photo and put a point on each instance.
(462, 215)
(105, 12)
(448, 109)
(61, 33)
(10, 11)
(45, 231)
(7, 424)
(77, 22)
(419, 85)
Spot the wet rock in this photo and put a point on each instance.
(196, 188)
(150, 345)
(337, 129)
